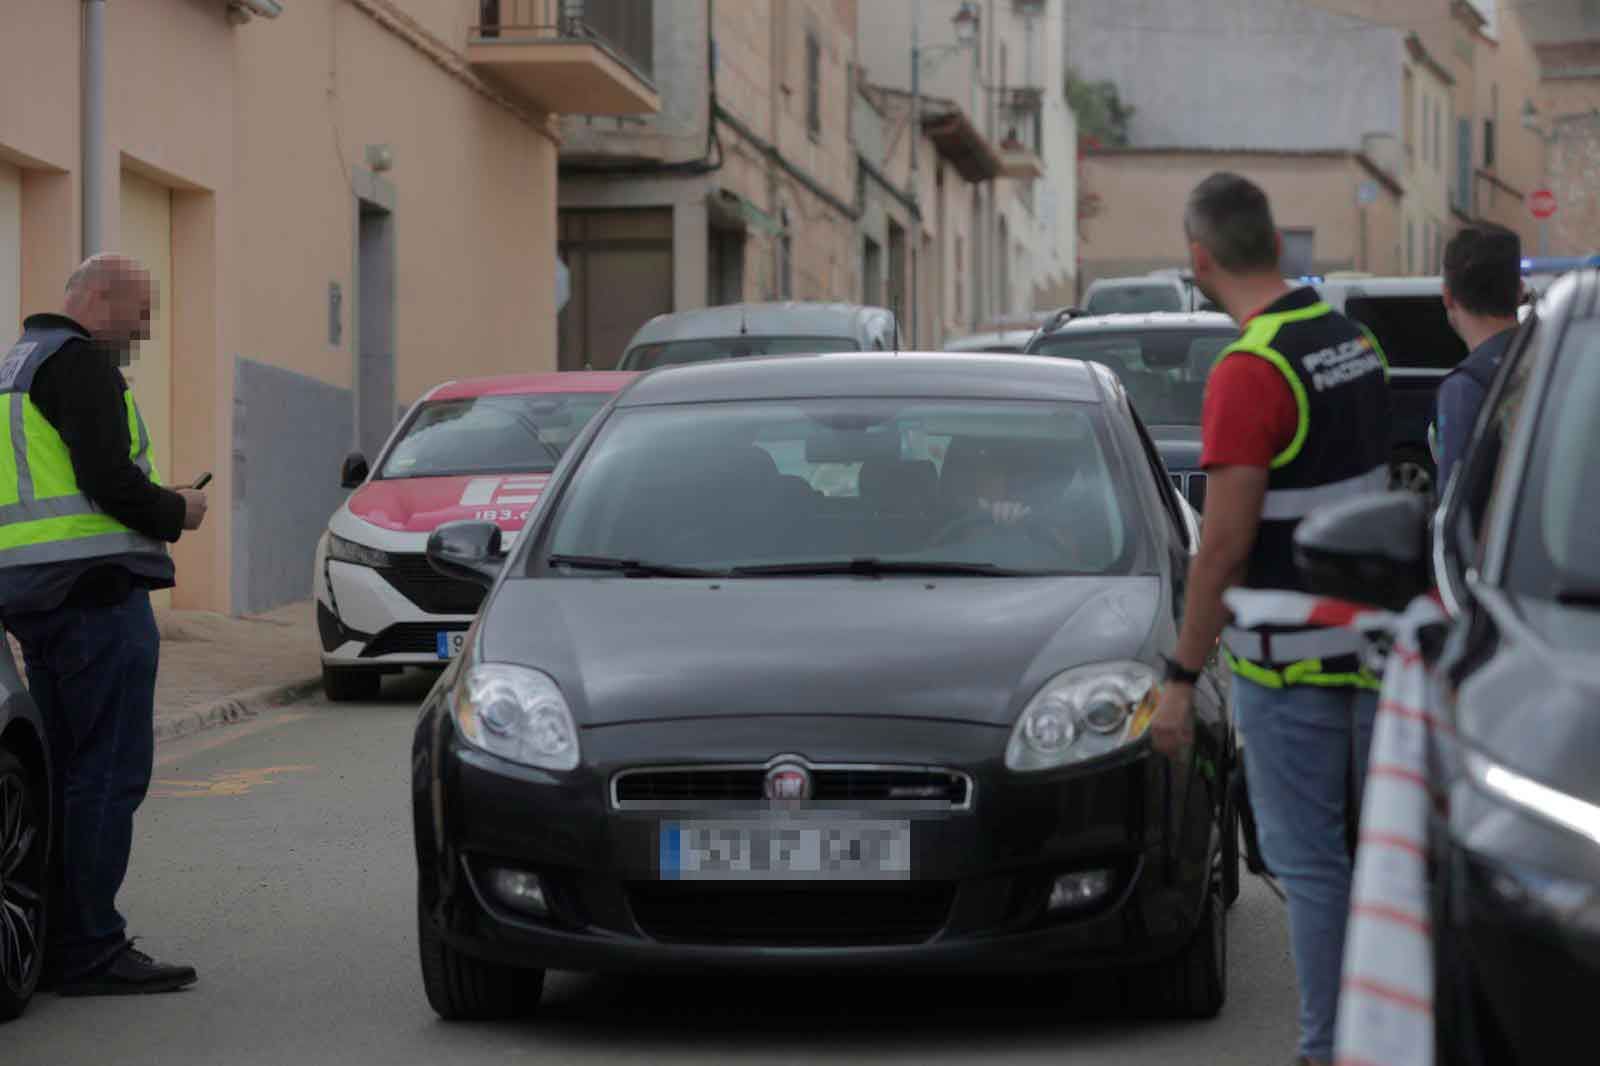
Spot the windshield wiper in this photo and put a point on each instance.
(1579, 595)
(870, 566)
(630, 567)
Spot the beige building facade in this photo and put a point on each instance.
(1140, 225)
(343, 205)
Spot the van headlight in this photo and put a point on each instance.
(1082, 714)
(517, 714)
(348, 551)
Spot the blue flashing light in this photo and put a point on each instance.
(1558, 264)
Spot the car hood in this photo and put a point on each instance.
(420, 505)
(968, 649)
(1179, 446)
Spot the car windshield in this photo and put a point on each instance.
(1555, 542)
(1164, 371)
(1134, 299)
(490, 434)
(707, 349)
(1013, 487)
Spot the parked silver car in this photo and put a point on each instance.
(735, 331)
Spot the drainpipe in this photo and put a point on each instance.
(912, 297)
(94, 124)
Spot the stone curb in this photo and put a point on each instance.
(234, 708)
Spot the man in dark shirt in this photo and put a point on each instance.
(83, 537)
(1482, 286)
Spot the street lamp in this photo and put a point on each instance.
(1530, 122)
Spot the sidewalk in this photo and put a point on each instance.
(216, 669)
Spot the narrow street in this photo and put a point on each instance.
(275, 855)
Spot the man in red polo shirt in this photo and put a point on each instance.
(1296, 416)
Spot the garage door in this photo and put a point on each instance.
(621, 263)
(10, 254)
(147, 236)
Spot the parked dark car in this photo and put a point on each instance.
(1514, 552)
(710, 717)
(26, 818)
(1162, 359)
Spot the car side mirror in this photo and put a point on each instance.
(354, 471)
(468, 551)
(1371, 549)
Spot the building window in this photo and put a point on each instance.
(1411, 247)
(1463, 183)
(813, 85)
(1408, 113)
(1297, 252)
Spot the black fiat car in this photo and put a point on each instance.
(827, 663)
(1514, 553)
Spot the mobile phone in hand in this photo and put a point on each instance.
(202, 481)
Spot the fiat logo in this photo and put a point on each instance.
(787, 782)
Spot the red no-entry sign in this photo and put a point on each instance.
(1542, 203)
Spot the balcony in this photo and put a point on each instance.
(1021, 123)
(569, 57)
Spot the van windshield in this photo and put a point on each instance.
(1134, 299)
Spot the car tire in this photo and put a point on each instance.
(349, 684)
(1195, 983)
(1231, 861)
(461, 988)
(24, 906)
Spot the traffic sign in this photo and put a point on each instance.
(1542, 203)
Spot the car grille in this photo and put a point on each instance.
(410, 638)
(807, 915)
(699, 786)
(416, 579)
(1192, 484)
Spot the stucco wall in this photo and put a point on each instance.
(259, 132)
(1141, 227)
(1240, 73)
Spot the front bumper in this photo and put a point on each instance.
(371, 617)
(976, 900)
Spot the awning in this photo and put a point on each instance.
(969, 151)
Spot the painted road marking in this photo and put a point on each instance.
(227, 783)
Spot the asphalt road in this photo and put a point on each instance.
(275, 856)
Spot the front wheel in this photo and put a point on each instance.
(23, 887)
(1195, 983)
(461, 988)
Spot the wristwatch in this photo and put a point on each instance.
(1177, 672)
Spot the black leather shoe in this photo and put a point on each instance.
(130, 973)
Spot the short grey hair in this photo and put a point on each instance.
(1230, 217)
(103, 270)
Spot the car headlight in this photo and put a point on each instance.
(348, 551)
(1081, 714)
(517, 714)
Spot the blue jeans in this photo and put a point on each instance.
(92, 674)
(1297, 751)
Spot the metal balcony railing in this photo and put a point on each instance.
(625, 28)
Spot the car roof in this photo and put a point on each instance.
(867, 374)
(976, 342)
(784, 319)
(1143, 281)
(1392, 286)
(1145, 321)
(602, 381)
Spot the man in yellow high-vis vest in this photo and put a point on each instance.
(1296, 417)
(84, 528)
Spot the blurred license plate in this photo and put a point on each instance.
(450, 643)
(840, 849)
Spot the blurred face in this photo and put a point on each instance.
(131, 307)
